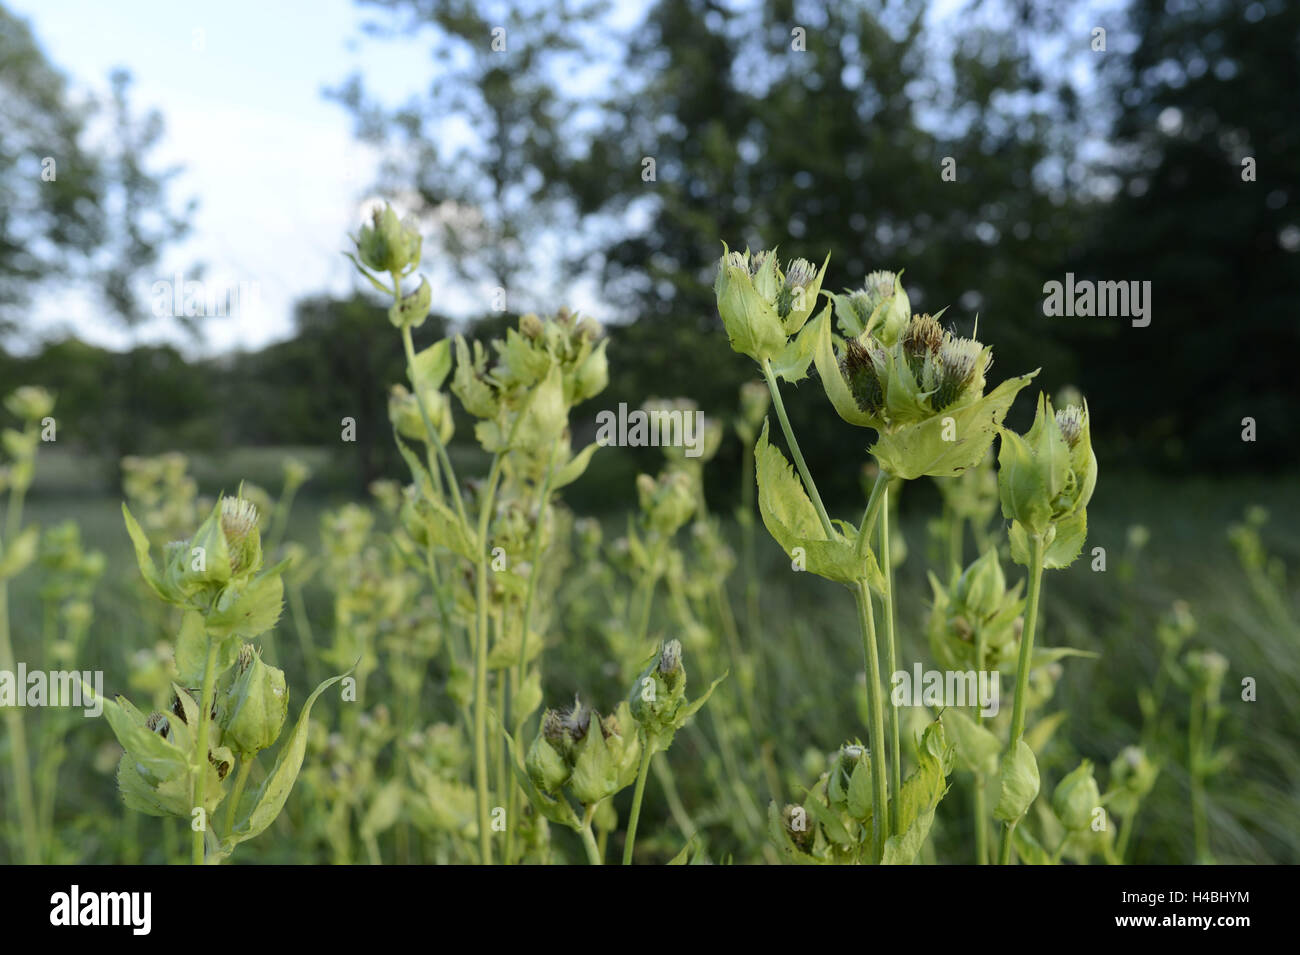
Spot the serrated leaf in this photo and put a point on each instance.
(920, 449)
(792, 521)
(903, 849)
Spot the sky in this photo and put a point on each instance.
(279, 178)
(274, 166)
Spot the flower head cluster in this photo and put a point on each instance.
(978, 603)
(1045, 480)
(762, 305)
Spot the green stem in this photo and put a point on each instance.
(201, 749)
(301, 623)
(879, 796)
(480, 663)
(795, 452)
(30, 840)
(434, 438)
(647, 754)
(887, 570)
(241, 778)
(981, 808)
(588, 840)
(1195, 745)
(1022, 671)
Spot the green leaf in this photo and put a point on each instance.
(830, 822)
(859, 794)
(793, 361)
(574, 468)
(154, 757)
(21, 552)
(1041, 733)
(1019, 783)
(921, 449)
(148, 570)
(690, 852)
(556, 810)
(251, 610)
(384, 811)
(903, 849)
(527, 698)
(192, 650)
(271, 796)
(977, 748)
(792, 521)
(380, 286)
(828, 370)
(431, 366)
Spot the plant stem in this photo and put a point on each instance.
(647, 754)
(795, 452)
(1022, 670)
(27, 822)
(434, 438)
(480, 664)
(201, 750)
(981, 808)
(241, 778)
(1195, 748)
(588, 840)
(879, 796)
(887, 570)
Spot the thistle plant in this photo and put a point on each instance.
(1045, 480)
(920, 387)
(227, 705)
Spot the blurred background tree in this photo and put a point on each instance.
(821, 127)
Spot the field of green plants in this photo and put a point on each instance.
(469, 668)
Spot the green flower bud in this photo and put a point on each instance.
(204, 562)
(387, 244)
(982, 585)
(605, 759)
(546, 767)
(920, 387)
(1046, 479)
(296, 472)
(746, 288)
(668, 503)
(530, 326)
(1132, 777)
(412, 309)
(255, 706)
(1076, 798)
(1207, 669)
(239, 526)
(30, 403)
(660, 691)
(404, 413)
(879, 309)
